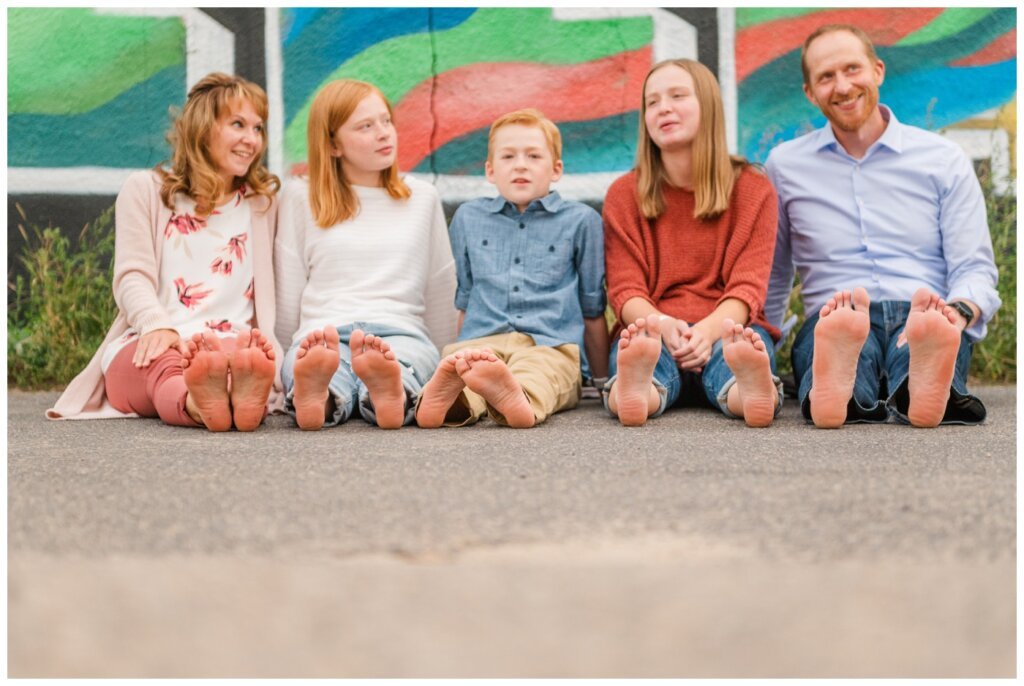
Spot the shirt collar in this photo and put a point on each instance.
(891, 138)
(550, 202)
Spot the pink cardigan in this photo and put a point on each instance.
(139, 219)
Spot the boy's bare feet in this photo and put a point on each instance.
(316, 361)
(838, 338)
(206, 377)
(633, 395)
(934, 339)
(252, 376)
(491, 378)
(439, 394)
(754, 395)
(374, 363)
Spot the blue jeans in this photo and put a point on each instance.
(417, 356)
(709, 388)
(882, 386)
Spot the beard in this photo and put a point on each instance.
(853, 121)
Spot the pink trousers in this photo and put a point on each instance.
(156, 391)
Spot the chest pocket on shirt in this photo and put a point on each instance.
(486, 256)
(549, 261)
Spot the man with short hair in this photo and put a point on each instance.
(886, 225)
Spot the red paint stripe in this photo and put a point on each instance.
(758, 45)
(472, 97)
(1001, 49)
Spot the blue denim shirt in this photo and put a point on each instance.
(539, 272)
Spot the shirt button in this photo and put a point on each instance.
(516, 260)
(522, 225)
(515, 289)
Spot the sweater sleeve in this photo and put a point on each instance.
(291, 271)
(136, 270)
(626, 266)
(751, 247)
(439, 315)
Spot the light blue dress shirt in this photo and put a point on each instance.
(539, 272)
(909, 214)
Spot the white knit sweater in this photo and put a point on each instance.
(390, 264)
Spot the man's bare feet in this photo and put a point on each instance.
(374, 363)
(252, 376)
(439, 394)
(633, 396)
(206, 377)
(485, 374)
(838, 338)
(754, 395)
(934, 339)
(316, 361)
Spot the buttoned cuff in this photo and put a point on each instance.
(461, 300)
(593, 304)
(982, 295)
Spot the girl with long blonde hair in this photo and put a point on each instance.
(365, 275)
(689, 240)
(193, 276)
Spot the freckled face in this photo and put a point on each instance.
(843, 80)
(671, 110)
(367, 142)
(235, 141)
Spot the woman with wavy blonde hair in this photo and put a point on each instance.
(193, 276)
(689, 240)
(365, 274)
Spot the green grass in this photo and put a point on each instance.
(62, 308)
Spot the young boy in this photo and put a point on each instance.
(530, 293)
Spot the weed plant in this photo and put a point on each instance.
(61, 309)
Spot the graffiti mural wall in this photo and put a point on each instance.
(90, 91)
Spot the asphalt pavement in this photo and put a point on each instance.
(691, 547)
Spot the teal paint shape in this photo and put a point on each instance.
(126, 133)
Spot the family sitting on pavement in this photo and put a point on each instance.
(389, 313)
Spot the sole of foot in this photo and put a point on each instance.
(639, 350)
(206, 377)
(375, 364)
(252, 376)
(316, 361)
(934, 340)
(755, 393)
(838, 338)
(489, 377)
(439, 394)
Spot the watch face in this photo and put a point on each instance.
(964, 310)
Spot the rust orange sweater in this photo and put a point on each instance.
(686, 267)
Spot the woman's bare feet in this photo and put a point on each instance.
(485, 374)
(934, 339)
(374, 363)
(633, 396)
(206, 377)
(252, 376)
(316, 361)
(754, 395)
(439, 394)
(838, 338)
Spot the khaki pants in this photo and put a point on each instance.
(550, 377)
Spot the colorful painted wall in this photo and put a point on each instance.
(90, 91)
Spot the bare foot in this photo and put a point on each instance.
(633, 396)
(374, 363)
(754, 395)
(439, 394)
(934, 339)
(316, 360)
(206, 377)
(485, 374)
(252, 376)
(838, 337)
